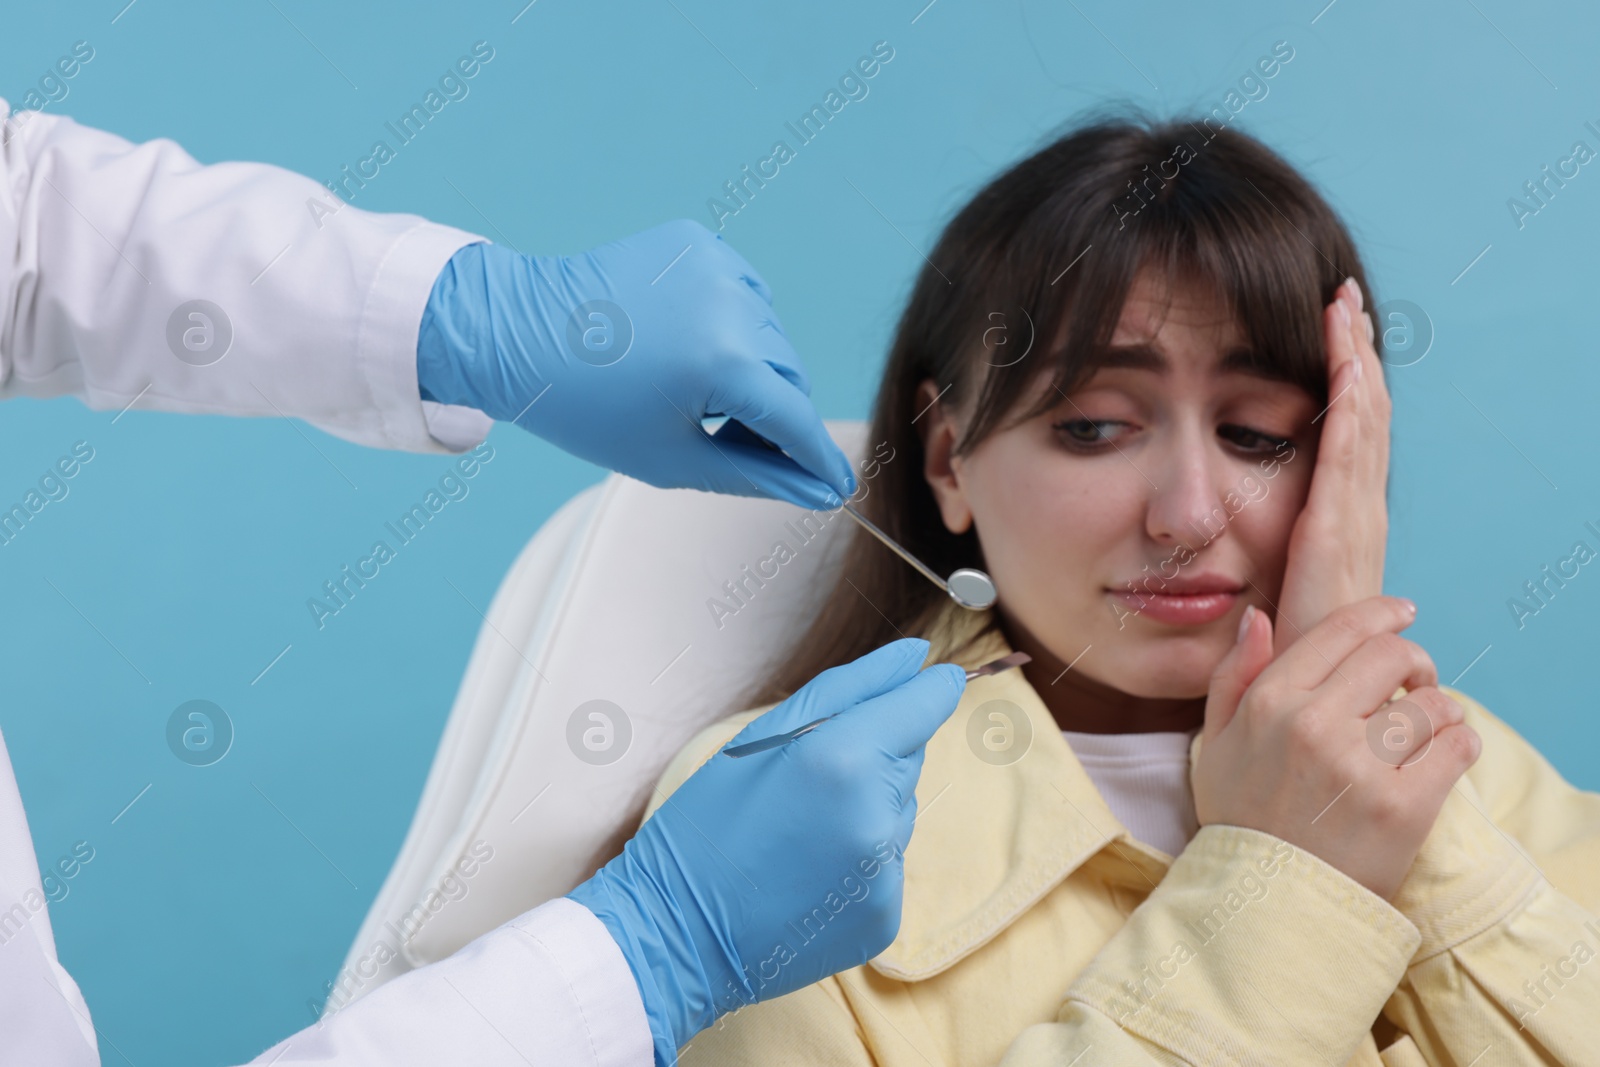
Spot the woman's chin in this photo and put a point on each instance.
(1171, 670)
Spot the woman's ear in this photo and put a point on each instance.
(940, 465)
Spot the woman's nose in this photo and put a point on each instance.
(1186, 500)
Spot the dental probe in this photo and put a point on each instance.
(1004, 663)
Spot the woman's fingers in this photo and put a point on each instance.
(1402, 733)
(1463, 746)
(1310, 661)
(1250, 655)
(1433, 766)
(1370, 675)
(1338, 451)
(1336, 550)
(1343, 464)
(1370, 392)
(1346, 368)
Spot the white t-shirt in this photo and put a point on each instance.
(1144, 779)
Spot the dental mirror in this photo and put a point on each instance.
(967, 586)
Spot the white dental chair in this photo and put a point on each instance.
(534, 786)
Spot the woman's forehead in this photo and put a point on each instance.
(1167, 312)
(1175, 325)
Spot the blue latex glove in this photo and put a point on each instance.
(636, 342)
(764, 874)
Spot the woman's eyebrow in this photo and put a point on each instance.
(1138, 356)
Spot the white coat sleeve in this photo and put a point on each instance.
(105, 246)
(43, 1018)
(550, 987)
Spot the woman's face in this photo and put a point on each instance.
(1139, 516)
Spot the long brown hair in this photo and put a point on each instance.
(1054, 243)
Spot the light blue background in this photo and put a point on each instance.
(207, 921)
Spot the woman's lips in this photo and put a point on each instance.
(1191, 609)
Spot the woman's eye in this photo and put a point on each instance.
(1088, 432)
(1250, 440)
(1094, 434)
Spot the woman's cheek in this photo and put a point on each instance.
(1051, 523)
(1010, 530)
(1290, 486)
(1013, 501)
(1272, 501)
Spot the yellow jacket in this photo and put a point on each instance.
(1036, 931)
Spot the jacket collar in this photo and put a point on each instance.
(992, 837)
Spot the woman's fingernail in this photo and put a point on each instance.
(1355, 291)
(1410, 604)
(1244, 622)
(1372, 334)
(1344, 313)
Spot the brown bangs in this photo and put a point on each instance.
(1086, 215)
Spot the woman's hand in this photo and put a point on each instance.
(1337, 546)
(1303, 748)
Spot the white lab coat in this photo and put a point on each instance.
(100, 242)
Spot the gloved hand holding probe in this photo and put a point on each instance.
(707, 899)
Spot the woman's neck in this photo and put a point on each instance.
(1082, 705)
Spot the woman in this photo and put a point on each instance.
(1136, 384)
